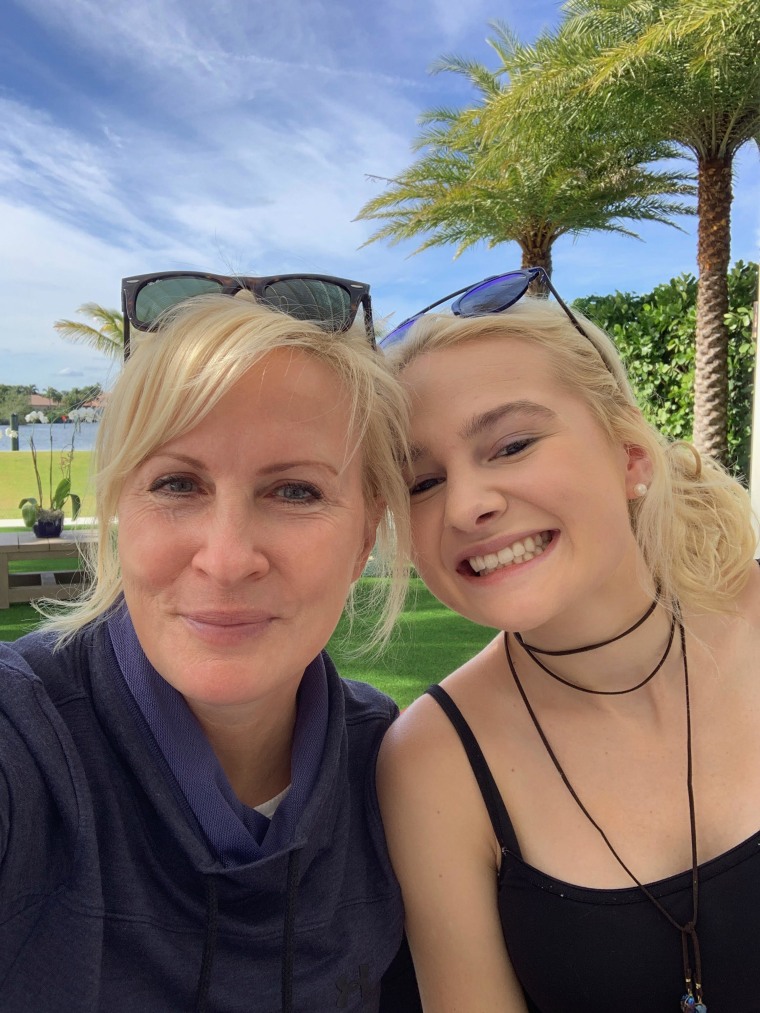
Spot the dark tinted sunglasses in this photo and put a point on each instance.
(316, 297)
(492, 295)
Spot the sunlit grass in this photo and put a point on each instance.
(17, 480)
(430, 642)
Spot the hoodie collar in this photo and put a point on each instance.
(238, 834)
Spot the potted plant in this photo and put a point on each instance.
(47, 521)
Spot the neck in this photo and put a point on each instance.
(253, 750)
(608, 651)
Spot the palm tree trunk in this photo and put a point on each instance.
(713, 254)
(537, 252)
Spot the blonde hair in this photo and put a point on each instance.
(177, 375)
(694, 526)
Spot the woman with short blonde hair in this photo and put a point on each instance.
(188, 817)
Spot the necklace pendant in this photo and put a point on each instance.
(690, 1005)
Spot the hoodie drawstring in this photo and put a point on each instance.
(209, 946)
(288, 931)
(288, 951)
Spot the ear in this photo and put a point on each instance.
(638, 470)
(373, 513)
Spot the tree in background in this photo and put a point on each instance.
(14, 399)
(79, 397)
(544, 184)
(655, 336)
(683, 71)
(107, 336)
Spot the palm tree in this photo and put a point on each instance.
(683, 71)
(106, 337)
(542, 185)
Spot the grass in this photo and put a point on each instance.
(17, 620)
(429, 643)
(17, 480)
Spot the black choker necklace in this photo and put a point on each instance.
(532, 651)
(592, 647)
(692, 1001)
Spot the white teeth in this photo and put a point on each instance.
(519, 552)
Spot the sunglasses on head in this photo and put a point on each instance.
(492, 295)
(316, 297)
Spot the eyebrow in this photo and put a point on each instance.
(270, 469)
(478, 424)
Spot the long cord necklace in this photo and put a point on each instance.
(692, 1001)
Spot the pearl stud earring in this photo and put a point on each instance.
(640, 489)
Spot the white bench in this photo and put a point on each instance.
(21, 587)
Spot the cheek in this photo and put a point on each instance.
(425, 549)
(426, 517)
(150, 557)
(419, 531)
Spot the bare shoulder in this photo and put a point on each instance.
(734, 636)
(422, 739)
(424, 777)
(749, 600)
(446, 856)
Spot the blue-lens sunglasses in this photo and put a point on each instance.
(492, 295)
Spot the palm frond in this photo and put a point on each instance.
(107, 336)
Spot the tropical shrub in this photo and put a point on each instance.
(655, 335)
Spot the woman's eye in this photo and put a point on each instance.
(515, 447)
(174, 485)
(423, 485)
(298, 492)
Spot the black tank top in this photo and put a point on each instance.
(580, 950)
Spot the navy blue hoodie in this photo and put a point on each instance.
(112, 899)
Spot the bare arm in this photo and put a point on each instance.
(445, 855)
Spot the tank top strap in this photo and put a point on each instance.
(497, 811)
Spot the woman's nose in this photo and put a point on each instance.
(232, 545)
(471, 502)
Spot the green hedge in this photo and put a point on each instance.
(655, 336)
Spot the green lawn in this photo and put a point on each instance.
(429, 643)
(17, 480)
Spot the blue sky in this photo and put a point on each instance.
(237, 136)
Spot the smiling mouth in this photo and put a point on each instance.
(520, 551)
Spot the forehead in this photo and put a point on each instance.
(477, 370)
(289, 396)
(291, 382)
(286, 390)
(463, 392)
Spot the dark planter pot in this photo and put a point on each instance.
(49, 524)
